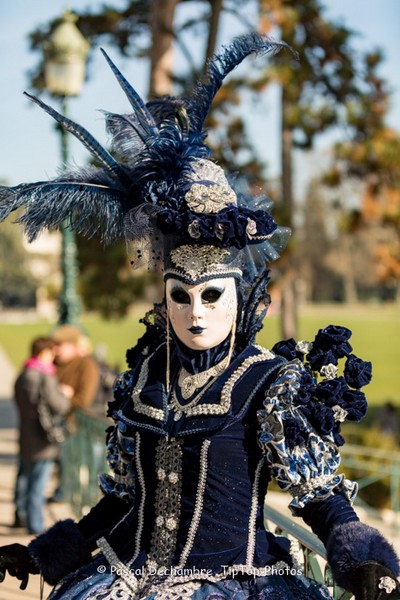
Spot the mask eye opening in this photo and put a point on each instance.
(179, 296)
(211, 295)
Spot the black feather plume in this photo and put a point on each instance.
(89, 207)
(220, 66)
(155, 147)
(128, 138)
(83, 136)
(138, 105)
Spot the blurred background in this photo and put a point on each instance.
(319, 135)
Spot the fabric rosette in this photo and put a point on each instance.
(328, 398)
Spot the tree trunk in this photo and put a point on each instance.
(288, 302)
(397, 291)
(349, 283)
(215, 15)
(161, 54)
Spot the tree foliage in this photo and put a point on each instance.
(371, 156)
(106, 282)
(332, 86)
(146, 28)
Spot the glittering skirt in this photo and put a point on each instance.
(96, 582)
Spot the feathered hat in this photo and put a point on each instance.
(158, 187)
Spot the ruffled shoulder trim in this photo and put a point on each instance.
(303, 411)
(122, 386)
(328, 391)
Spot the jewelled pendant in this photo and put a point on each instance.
(178, 414)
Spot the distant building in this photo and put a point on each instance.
(44, 262)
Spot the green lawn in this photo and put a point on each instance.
(376, 337)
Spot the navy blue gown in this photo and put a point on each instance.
(195, 476)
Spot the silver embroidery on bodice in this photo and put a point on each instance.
(167, 502)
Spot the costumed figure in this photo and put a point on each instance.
(204, 417)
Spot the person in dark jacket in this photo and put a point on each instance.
(36, 385)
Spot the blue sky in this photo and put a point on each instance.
(30, 148)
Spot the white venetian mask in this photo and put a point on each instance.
(202, 315)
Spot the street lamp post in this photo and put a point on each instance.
(65, 54)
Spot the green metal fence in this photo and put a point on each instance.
(370, 465)
(83, 459)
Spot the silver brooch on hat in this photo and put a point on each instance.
(387, 583)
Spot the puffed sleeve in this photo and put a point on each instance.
(303, 460)
(302, 414)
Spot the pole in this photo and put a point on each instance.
(69, 303)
